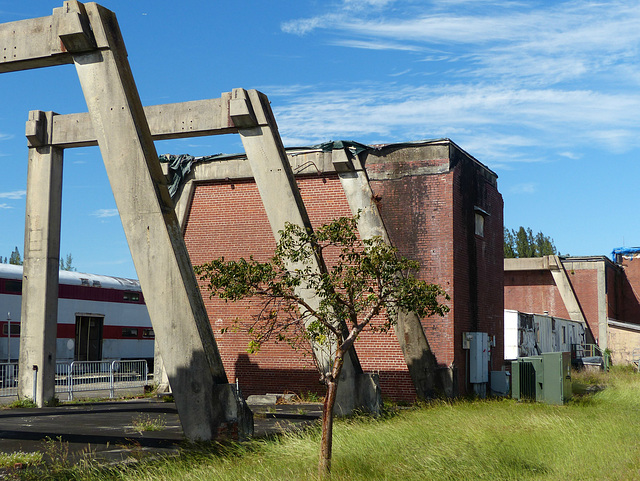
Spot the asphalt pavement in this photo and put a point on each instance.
(116, 431)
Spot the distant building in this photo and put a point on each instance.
(595, 289)
(440, 206)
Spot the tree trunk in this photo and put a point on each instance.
(324, 466)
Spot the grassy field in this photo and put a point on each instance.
(594, 437)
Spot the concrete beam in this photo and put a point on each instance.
(415, 347)
(170, 121)
(544, 263)
(39, 318)
(45, 41)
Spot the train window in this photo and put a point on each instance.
(129, 332)
(148, 333)
(131, 296)
(13, 286)
(85, 282)
(15, 329)
(97, 284)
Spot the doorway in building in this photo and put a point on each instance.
(88, 345)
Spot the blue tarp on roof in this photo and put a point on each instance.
(624, 251)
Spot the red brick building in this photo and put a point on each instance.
(602, 292)
(440, 206)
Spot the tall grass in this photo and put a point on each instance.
(596, 437)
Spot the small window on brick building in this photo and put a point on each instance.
(480, 216)
(479, 224)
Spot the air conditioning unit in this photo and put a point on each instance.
(545, 378)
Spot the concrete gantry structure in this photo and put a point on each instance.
(103, 73)
(88, 36)
(248, 114)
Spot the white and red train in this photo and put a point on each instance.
(99, 317)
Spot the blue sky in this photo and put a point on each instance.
(544, 93)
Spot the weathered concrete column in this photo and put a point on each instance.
(41, 263)
(194, 367)
(415, 347)
(251, 113)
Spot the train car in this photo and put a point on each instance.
(99, 317)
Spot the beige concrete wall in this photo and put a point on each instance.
(622, 343)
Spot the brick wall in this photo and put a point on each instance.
(534, 292)
(429, 217)
(628, 299)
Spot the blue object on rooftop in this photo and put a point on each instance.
(623, 251)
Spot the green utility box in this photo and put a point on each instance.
(545, 378)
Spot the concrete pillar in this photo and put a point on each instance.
(251, 113)
(415, 347)
(176, 308)
(603, 324)
(41, 263)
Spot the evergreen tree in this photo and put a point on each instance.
(523, 243)
(15, 258)
(66, 263)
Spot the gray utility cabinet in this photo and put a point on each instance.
(545, 378)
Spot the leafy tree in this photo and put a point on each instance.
(365, 289)
(66, 263)
(523, 243)
(15, 258)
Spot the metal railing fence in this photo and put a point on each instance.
(9, 379)
(82, 376)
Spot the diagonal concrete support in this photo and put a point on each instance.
(251, 113)
(420, 360)
(565, 289)
(41, 263)
(189, 350)
(90, 38)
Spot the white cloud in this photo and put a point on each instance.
(515, 41)
(492, 121)
(14, 195)
(6, 206)
(305, 25)
(524, 188)
(102, 213)
(374, 45)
